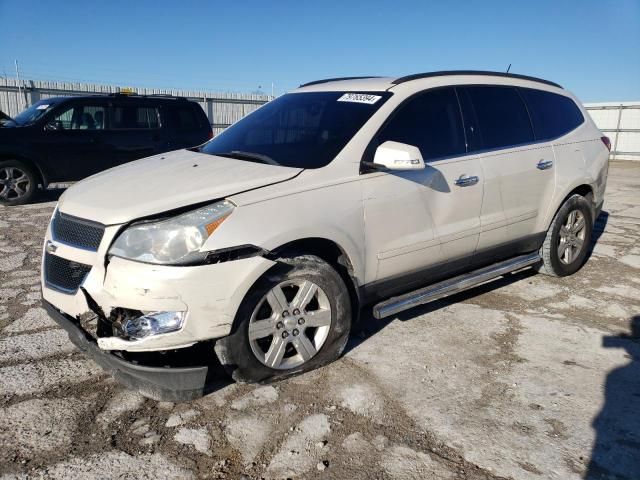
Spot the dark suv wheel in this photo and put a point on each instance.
(18, 183)
(295, 319)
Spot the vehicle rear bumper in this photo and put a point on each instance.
(159, 383)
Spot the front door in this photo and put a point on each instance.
(421, 225)
(75, 140)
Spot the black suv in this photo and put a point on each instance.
(65, 139)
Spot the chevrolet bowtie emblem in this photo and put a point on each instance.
(51, 247)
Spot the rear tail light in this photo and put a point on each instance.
(607, 142)
(210, 136)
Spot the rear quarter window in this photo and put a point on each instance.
(135, 117)
(552, 115)
(185, 119)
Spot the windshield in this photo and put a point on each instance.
(302, 130)
(34, 112)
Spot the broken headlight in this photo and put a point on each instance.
(175, 241)
(153, 324)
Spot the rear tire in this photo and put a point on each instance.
(18, 183)
(296, 318)
(567, 242)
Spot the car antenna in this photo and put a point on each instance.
(508, 68)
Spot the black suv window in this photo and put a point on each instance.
(185, 119)
(80, 117)
(135, 117)
(430, 121)
(552, 115)
(502, 116)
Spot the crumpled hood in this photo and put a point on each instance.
(164, 182)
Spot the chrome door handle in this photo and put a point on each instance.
(465, 181)
(544, 164)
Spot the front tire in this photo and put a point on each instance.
(18, 183)
(296, 318)
(567, 242)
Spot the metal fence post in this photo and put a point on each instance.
(615, 143)
(210, 111)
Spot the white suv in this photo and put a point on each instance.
(261, 246)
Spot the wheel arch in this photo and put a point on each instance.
(582, 188)
(334, 255)
(35, 166)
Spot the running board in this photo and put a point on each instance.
(453, 285)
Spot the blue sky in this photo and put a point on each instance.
(590, 47)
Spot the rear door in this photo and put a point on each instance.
(554, 116)
(135, 130)
(422, 224)
(75, 140)
(519, 174)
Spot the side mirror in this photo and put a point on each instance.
(398, 156)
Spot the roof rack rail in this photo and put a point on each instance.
(416, 76)
(163, 95)
(315, 82)
(149, 95)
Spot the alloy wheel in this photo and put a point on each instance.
(290, 324)
(14, 183)
(572, 234)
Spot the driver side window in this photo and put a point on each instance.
(63, 120)
(80, 117)
(430, 121)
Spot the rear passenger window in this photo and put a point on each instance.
(552, 115)
(502, 116)
(431, 121)
(135, 117)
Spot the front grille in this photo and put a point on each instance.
(76, 231)
(64, 275)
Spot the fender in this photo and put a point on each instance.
(578, 186)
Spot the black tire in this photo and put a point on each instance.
(9, 195)
(235, 351)
(551, 261)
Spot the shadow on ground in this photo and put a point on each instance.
(48, 195)
(598, 229)
(368, 325)
(616, 450)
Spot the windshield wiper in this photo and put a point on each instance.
(250, 155)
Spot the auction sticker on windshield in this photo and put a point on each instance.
(359, 98)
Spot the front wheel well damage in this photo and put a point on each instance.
(333, 254)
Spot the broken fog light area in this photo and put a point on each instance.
(153, 323)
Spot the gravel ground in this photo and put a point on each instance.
(528, 377)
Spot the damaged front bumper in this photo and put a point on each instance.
(160, 383)
(207, 295)
(81, 286)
